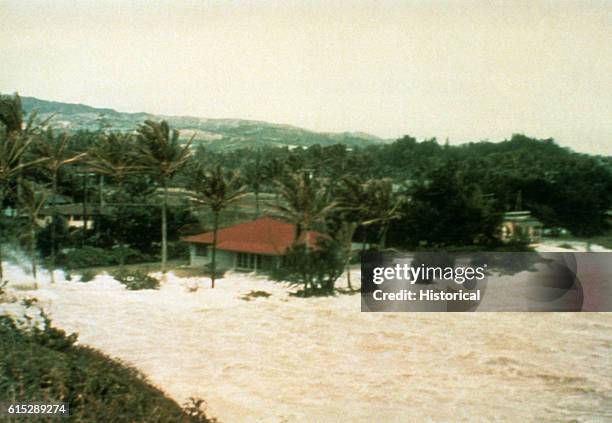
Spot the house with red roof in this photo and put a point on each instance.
(257, 245)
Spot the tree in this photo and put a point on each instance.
(216, 190)
(383, 205)
(113, 156)
(253, 177)
(304, 203)
(446, 210)
(15, 141)
(162, 156)
(352, 212)
(317, 269)
(32, 200)
(55, 152)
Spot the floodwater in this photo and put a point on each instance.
(284, 358)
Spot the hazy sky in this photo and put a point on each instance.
(463, 70)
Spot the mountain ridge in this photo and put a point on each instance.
(216, 133)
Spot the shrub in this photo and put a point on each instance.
(316, 268)
(178, 250)
(45, 365)
(88, 275)
(136, 279)
(132, 256)
(255, 294)
(219, 273)
(86, 257)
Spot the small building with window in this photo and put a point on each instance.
(258, 245)
(521, 226)
(73, 213)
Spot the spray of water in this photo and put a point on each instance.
(18, 269)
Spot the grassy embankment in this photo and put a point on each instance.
(44, 365)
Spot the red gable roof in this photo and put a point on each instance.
(261, 236)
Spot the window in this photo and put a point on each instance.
(202, 250)
(248, 261)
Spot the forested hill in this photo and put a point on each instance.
(560, 187)
(219, 134)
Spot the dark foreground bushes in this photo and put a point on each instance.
(135, 279)
(45, 365)
(87, 257)
(316, 269)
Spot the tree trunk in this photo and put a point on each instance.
(33, 247)
(164, 252)
(101, 193)
(53, 224)
(348, 274)
(213, 262)
(101, 200)
(306, 276)
(308, 282)
(383, 236)
(256, 202)
(347, 263)
(122, 218)
(350, 229)
(84, 234)
(1, 224)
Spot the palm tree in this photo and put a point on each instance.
(273, 170)
(303, 202)
(383, 205)
(11, 113)
(12, 150)
(216, 190)
(162, 156)
(13, 119)
(113, 155)
(32, 201)
(352, 206)
(254, 176)
(15, 141)
(55, 149)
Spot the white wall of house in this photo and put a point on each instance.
(225, 259)
(196, 258)
(200, 255)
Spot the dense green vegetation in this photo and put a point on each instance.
(153, 186)
(455, 193)
(136, 280)
(44, 364)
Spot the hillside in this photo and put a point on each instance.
(221, 134)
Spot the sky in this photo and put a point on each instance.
(462, 70)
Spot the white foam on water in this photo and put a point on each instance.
(17, 269)
(285, 358)
(549, 245)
